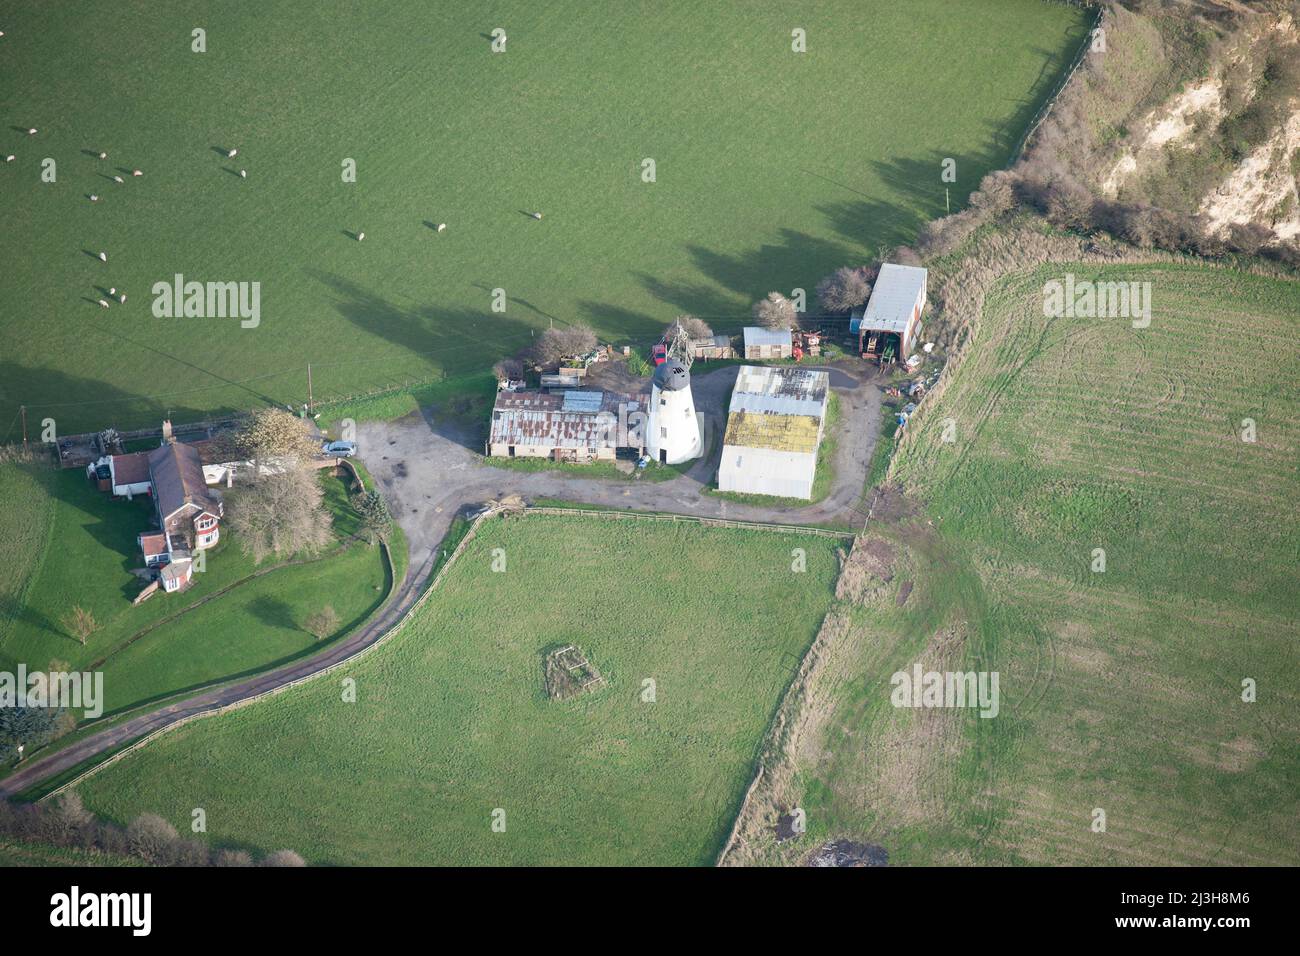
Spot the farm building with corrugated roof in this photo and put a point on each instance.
(774, 428)
(761, 343)
(888, 328)
(573, 425)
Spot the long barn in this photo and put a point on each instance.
(774, 428)
(578, 425)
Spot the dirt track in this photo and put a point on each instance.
(431, 469)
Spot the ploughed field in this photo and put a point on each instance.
(1121, 689)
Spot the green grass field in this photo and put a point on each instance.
(79, 547)
(1120, 690)
(452, 721)
(773, 168)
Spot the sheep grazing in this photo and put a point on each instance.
(103, 257)
(103, 155)
(103, 303)
(535, 215)
(118, 179)
(360, 236)
(232, 153)
(32, 131)
(243, 174)
(112, 290)
(10, 158)
(137, 172)
(122, 298)
(442, 227)
(94, 198)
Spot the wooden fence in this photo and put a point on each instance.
(1079, 57)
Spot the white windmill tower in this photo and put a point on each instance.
(673, 433)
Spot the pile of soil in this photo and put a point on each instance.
(868, 568)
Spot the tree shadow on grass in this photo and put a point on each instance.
(635, 325)
(873, 227)
(13, 611)
(78, 404)
(274, 612)
(457, 341)
(798, 260)
(700, 299)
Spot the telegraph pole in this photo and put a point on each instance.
(309, 401)
(23, 409)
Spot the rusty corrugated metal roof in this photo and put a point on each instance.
(795, 433)
(589, 419)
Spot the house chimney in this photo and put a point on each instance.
(168, 437)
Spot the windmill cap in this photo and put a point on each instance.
(672, 376)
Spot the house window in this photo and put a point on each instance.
(204, 524)
(663, 433)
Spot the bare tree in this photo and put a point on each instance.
(153, 839)
(70, 817)
(79, 623)
(232, 858)
(997, 193)
(845, 289)
(508, 369)
(1069, 205)
(694, 328)
(281, 514)
(1249, 237)
(272, 433)
(283, 858)
(554, 345)
(906, 256)
(775, 312)
(321, 624)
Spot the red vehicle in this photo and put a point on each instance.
(659, 353)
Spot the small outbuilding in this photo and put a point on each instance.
(888, 328)
(130, 474)
(155, 548)
(717, 347)
(761, 343)
(177, 574)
